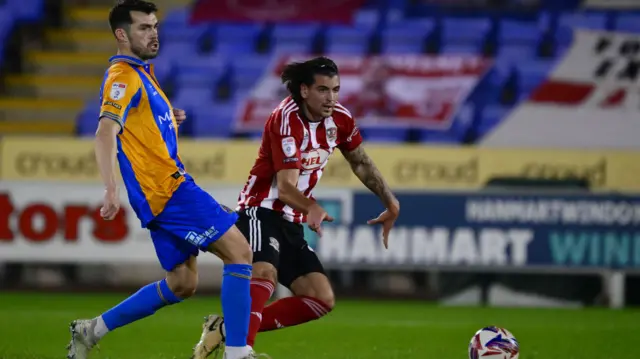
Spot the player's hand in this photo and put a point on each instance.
(180, 115)
(111, 204)
(387, 219)
(316, 216)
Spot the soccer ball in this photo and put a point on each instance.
(493, 343)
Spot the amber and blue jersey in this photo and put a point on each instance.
(182, 217)
(147, 143)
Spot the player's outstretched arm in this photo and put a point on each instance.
(106, 150)
(363, 167)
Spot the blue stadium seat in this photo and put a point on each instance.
(247, 70)
(628, 23)
(460, 49)
(236, 39)
(177, 18)
(193, 97)
(490, 116)
(596, 21)
(516, 31)
(465, 30)
(6, 25)
(177, 52)
(347, 40)
(182, 33)
(567, 23)
(87, 119)
(162, 67)
(385, 134)
(436, 137)
(366, 18)
(26, 10)
(531, 74)
(201, 71)
(293, 38)
(214, 119)
(406, 37)
(516, 52)
(502, 69)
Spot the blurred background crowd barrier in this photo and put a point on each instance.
(509, 129)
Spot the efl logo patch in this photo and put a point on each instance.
(118, 90)
(289, 146)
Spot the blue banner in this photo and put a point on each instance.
(488, 230)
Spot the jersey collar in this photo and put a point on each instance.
(127, 59)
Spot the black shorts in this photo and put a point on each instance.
(279, 242)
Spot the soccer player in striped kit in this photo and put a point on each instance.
(298, 139)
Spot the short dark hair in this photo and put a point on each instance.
(120, 14)
(297, 73)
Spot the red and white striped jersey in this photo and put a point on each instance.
(290, 142)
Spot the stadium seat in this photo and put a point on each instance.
(214, 119)
(87, 119)
(201, 71)
(347, 40)
(6, 25)
(162, 67)
(182, 33)
(177, 18)
(567, 23)
(516, 52)
(236, 39)
(515, 31)
(26, 10)
(628, 23)
(490, 116)
(531, 74)
(293, 38)
(193, 97)
(247, 70)
(465, 30)
(366, 18)
(176, 53)
(406, 37)
(385, 134)
(460, 49)
(596, 21)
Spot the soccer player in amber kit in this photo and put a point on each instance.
(298, 139)
(138, 126)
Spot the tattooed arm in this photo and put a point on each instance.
(363, 167)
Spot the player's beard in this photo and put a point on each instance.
(145, 52)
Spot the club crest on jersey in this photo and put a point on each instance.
(289, 146)
(118, 90)
(332, 134)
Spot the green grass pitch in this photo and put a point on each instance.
(35, 326)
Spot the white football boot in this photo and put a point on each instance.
(212, 338)
(82, 338)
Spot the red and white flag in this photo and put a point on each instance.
(395, 90)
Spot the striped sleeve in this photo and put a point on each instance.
(284, 139)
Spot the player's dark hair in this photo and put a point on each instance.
(120, 14)
(297, 73)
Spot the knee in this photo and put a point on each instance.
(264, 270)
(233, 248)
(327, 298)
(183, 285)
(240, 253)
